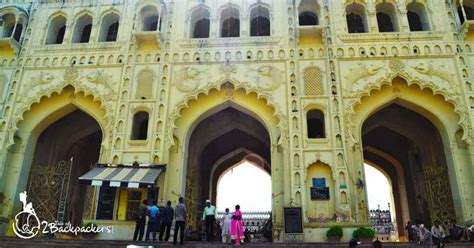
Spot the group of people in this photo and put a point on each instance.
(155, 225)
(437, 235)
(231, 224)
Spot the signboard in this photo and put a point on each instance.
(320, 193)
(293, 220)
(319, 182)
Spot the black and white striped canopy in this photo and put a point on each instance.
(123, 175)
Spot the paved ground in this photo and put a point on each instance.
(6, 242)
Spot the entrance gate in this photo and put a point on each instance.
(48, 190)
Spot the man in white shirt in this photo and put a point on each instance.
(438, 234)
(209, 215)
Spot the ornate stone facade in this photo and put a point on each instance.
(159, 68)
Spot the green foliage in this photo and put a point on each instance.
(335, 231)
(363, 232)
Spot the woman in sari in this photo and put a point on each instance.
(237, 227)
(225, 224)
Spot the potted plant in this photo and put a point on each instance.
(364, 235)
(334, 234)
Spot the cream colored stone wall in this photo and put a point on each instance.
(184, 77)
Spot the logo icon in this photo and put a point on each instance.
(26, 225)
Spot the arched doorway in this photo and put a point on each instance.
(65, 125)
(65, 150)
(409, 148)
(217, 143)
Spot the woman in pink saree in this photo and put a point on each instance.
(237, 227)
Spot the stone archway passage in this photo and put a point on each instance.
(215, 145)
(75, 138)
(416, 144)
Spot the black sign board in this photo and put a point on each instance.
(293, 220)
(320, 193)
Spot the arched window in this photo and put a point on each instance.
(8, 25)
(307, 13)
(82, 30)
(386, 17)
(315, 124)
(56, 31)
(260, 21)
(18, 30)
(140, 126)
(308, 19)
(356, 19)
(109, 27)
(200, 23)
(149, 18)
(417, 17)
(230, 22)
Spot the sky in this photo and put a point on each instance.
(378, 188)
(246, 185)
(250, 187)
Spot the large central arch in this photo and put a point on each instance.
(198, 144)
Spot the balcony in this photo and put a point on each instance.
(147, 39)
(310, 30)
(9, 46)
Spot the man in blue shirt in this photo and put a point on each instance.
(153, 221)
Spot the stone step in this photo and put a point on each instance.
(7, 242)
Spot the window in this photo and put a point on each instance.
(230, 22)
(260, 21)
(149, 18)
(200, 23)
(308, 19)
(18, 30)
(417, 17)
(307, 13)
(386, 17)
(315, 124)
(105, 206)
(140, 126)
(109, 27)
(134, 198)
(468, 7)
(356, 19)
(82, 30)
(8, 25)
(56, 31)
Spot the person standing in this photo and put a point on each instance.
(377, 243)
(209, 216)
(424, 235)
(438, 234)
(180, 220)
(409, 230)
(237, 227)
(140, 221)
(168, 215)
(153, 214)
(226, 223)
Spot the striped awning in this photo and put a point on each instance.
(123, 175)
